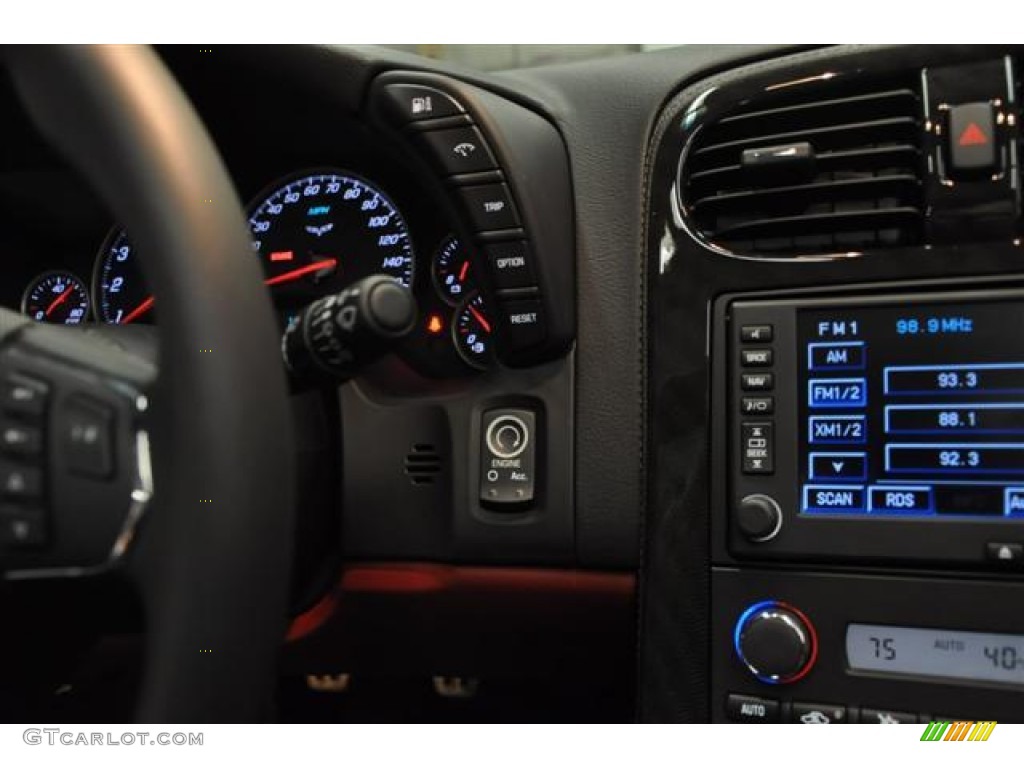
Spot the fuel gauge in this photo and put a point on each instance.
(472, 332)
(453, 271)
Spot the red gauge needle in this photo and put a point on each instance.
(140, 310)
(284, 277)
(295, 274)
(60, 299)
(463, 271)
(480, 318)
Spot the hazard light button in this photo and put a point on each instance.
(972, 140)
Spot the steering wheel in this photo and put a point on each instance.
(171, 462)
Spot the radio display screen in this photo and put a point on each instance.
(914, 410)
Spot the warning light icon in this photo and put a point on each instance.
(972, 136)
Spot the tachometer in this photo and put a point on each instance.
(120, 293)
(320, 232)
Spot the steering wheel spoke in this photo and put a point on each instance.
(75, 472)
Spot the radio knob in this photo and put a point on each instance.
(759, 517)
(776, 642)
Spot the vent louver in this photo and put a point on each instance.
(788, 177)
(422, 464)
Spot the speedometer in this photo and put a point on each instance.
(314, 233)
(319, 232)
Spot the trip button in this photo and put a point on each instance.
(756, 358)
(459, 150)
(819, 714)
(490, 207)
(23, 396)
(408, 103)
(751, 709)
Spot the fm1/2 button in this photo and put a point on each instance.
(509, 440)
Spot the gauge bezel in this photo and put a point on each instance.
(35, 281)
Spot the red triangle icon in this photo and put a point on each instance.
(972, 136)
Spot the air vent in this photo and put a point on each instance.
(789, 177)
(422, 464)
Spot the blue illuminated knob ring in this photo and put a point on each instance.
(776, 642)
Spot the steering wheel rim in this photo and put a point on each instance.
(213, 574)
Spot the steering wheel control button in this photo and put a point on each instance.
(507, 481)
(489, 207)
(411, 103)
(775, 642)
(18, 482)
(20, 440)
(459, 150)
(819, 714)
(22, 527)
(23, 396)
(522, 323)
(86, 438)
(752, 709)
(511, 265)
(759, 517)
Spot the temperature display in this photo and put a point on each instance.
(939, 653)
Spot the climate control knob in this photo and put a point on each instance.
(759, 517)
(776, 642)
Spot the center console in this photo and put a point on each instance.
(869, 437)
(835, 531)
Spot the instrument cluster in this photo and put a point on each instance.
(314, 232)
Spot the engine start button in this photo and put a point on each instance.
(507, 437)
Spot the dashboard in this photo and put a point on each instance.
(731, 326)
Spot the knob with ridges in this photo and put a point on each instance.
(775, 642)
